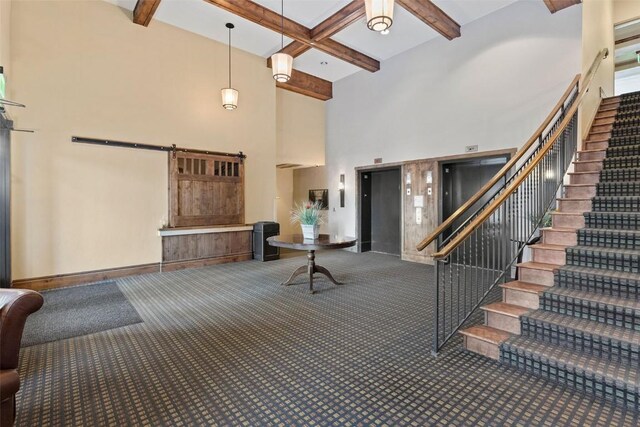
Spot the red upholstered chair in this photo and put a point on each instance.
(15, 306)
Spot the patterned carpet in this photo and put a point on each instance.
(226, 345)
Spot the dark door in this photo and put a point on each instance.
(5, 198)
(461, 180)
(380, 204)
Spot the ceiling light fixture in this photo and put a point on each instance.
(281, 63)
(379, 14)
(229, 94)
(385, 32)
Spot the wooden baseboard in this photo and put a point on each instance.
(205, 262)
(73, 279)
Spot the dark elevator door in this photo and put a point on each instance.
(463, 179)
(380, 205)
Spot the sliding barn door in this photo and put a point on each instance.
(205, 190)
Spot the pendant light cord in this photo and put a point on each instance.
(281, 24)
(229, 57)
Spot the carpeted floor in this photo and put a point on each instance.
(226, 345)
(79, 310)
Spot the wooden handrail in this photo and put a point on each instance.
(473, 225)
(502, 172)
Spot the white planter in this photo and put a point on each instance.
(310, 231)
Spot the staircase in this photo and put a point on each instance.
(573, 315)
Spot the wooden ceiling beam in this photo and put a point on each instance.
(144, 10)
(294, 49)
(308, 85)
(556, 5)
(269, 19)
(433, 16)
(339, 20)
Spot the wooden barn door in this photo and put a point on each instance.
(205, 190)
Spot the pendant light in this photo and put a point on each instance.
(281, 63)
(379, 14)
(229, 94)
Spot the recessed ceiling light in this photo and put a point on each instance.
(323, 62)
(384, 32)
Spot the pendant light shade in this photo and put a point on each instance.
(229, 94)
(379, 14)
(281, 63)
(229, 98)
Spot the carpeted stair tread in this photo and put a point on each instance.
(620, 174)
(605, 258)
(612, 220)
(550, 246)
(618, 188)
(592, 297)
(621, 275)
(586, 326)
(623, 374)
(486, 333)
(616, 204)
(609, 238)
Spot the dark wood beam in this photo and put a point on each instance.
(144, 10)
(308, 85)
(556, 5)
(338, 21)
(433, 16)
(294, 49)
(269, 19)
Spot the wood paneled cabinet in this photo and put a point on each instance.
(205, 190)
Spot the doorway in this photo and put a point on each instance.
(380, 211)
(461, 180)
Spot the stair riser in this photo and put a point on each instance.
(606, 113)
(601, 284)
(626, 131)
(619, 221)
(584, 178)
(554, 237)
(597, 144)
(588, 166)
(623, 150)
(614, 204)
(549, 256)
(620, 175)
(592, 155)
(629, 263)
(600, 121)
(601, 128)
(482, 347)
(579, 340)
(584, 382)
(521, 298)
(531, 275)
(579, 192)
(597, 312)
(502, 322)
(608, 239)
(621, 162)
(578, 206)
(575, 220)
(620, 142)
(608, 188)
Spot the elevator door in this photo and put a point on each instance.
(461, 180)
(380, 210)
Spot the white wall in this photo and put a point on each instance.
(625, 10)
(491, 87)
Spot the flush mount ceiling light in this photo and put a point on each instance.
(379, 14)
(281, 63)
(229, 94)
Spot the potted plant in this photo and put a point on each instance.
(308, 215)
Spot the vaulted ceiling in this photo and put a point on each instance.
(328, 38)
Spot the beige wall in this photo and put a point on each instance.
(300, 129)
(314, 178)
(625, 10)
(597, 33)
(5, 32)
(284, 178)
(83, 68)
